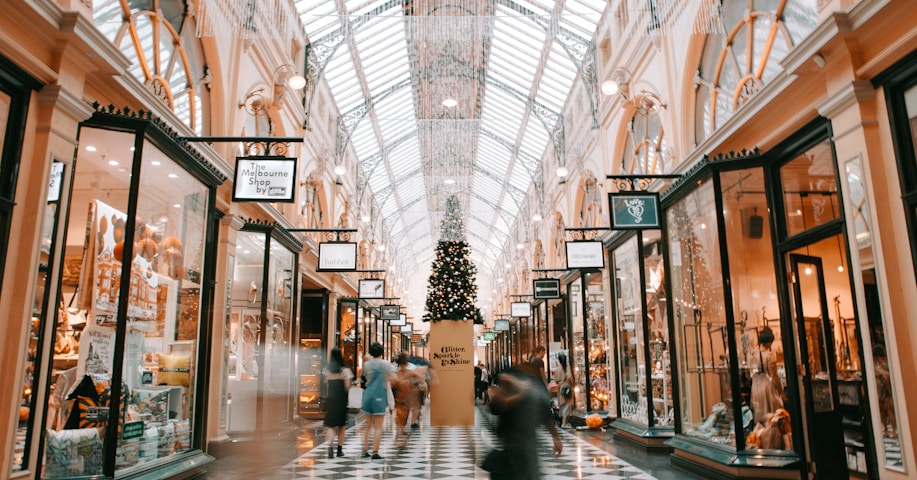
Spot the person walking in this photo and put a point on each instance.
(522, 404)
(537, 363)
(338, 380)
(406, 384)
(375, 398)
(565, 383)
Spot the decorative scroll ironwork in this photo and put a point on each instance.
(587, 233)
(329, 234)
(254, 146)
(637, 183)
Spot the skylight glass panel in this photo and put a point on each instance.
(402, 161)
(318, 18)
(360, 7)
(488, 188)
(364, 140)
(410, 189)
(520, 178)
(535, 138)
(538, 7)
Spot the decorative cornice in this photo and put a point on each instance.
(62, 101)
(852, 93)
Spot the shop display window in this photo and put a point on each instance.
(124, 374)
(631, 339)
(578, 357)
(597, 331)
(643, 355)
(762, 379)
(260, 376)
(700, 319)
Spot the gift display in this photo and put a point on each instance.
(73, 452)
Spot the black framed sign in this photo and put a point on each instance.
(390, 312)
(402, 319)
(634, 210)
(520, 309)
(337, 257)
(407, 328)
(371, 288)
(586, 254)
(264, 179)
(501, 325)
(545, 288)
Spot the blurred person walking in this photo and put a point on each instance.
(522, 404)
(406, 385)
(338, 380)
(375, 398)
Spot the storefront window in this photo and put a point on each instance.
(631, 341)
(161, 347)
(754, 290)
(597, 332)
(40, 315)
(261, 379)
(810, 189)
(124, 371)
(81, 368)
(700, 318)
(577, 356)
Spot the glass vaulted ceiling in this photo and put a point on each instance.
(508, 64)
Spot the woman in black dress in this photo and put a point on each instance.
(338, 379)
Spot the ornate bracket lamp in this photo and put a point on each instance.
(619, 83)
(284, 76)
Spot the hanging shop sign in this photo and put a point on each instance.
(401, 320)
(546, 288)
(407, 328)
(338, 257)
(371, 288)
(390, 312)
(264, 179)
(415, 338)
(55, 179)
(634, 210)
(501, 325)
(490, 336)
(588, 254)
(520, 309)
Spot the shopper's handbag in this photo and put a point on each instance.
(566, 391)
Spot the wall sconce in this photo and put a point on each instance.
(617, 83)
(286, 75)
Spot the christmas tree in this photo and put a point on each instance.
(452, 291)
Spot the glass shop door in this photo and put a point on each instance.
(818, 373)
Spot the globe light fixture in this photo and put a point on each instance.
(340, 170)
(562, 171)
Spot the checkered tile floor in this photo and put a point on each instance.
(451, 453)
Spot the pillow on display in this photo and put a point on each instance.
(73, 452)
(152, 405)
(175, 370)
(87, 410)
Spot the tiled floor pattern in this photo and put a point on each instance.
(452, 453)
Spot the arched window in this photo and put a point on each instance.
(645, 150)
(738, 63)
(158, 37)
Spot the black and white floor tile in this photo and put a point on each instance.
(452, 453)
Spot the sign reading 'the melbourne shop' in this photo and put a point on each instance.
(264, 179)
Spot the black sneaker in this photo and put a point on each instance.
(365, 455)
(415, 426)
(376, 456)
